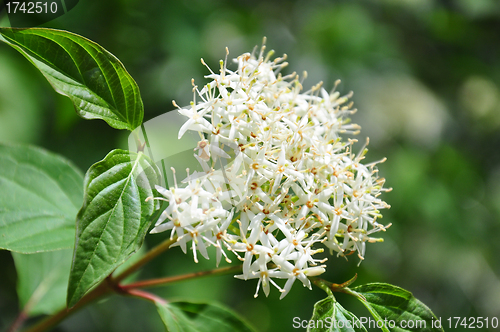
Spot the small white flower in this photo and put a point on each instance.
(290, 175)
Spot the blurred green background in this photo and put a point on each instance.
(426, 77)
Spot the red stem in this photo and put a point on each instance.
(168, 280)
(144, 295)
(18, 322)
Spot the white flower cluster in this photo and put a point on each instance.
(291, 182)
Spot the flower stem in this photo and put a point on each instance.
(105, 288)
(168, 280)
(330, 287)
(136, 293)
(19, 321)
(162, 247)
(322, 284)
(145, 295)
(101, 290)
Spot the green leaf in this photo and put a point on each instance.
(175, 319)
(128, 263)
(114, 218)
(396, 306)
(42, 280)
(40, 195)
(329, 315)
(200, 317)
(95, 80)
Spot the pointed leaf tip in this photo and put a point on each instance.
(114, 218)
(94, 79)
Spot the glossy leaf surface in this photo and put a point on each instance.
(114, 218)
(95, 80)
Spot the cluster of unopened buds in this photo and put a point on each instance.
(290, 184)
